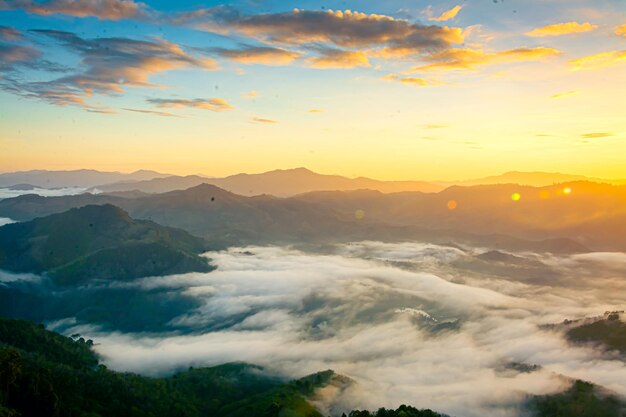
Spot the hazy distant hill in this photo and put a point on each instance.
(281, 183)
(325, 217)
(593, 214)
(98, 242)
(78, 178)
(153, 186)
(535, 179)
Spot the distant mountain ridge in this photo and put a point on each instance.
(534, 179)
(280, 183)
(592, 216)
(291, 182)
(77, 178)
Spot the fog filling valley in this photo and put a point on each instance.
(44, 192)
(432, 326)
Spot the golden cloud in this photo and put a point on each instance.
(420, 82)
(334, 58)
(258, 55)
(564, 94)
(596, 61)
(212, 104)
(447, 15)
(101, 9)
(262, 120)
(621, 30)
(596, 135)
(468, 59)
(562, 29)
(345, 29)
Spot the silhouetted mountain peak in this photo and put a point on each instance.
(205, 188)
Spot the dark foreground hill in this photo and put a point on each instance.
(45, 374)
(98, 242)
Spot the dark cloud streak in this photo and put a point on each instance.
(107, 66)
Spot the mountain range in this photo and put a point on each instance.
(535, 179)
(84, 178)
(280, 183)
(570, 217)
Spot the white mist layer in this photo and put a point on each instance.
(44, 192)
(362, 316)
(5, 220)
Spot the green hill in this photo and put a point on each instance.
(582, 399)
(610, 331)
(46, 374)
(98, 242)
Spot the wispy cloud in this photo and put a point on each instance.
(335, 58)
(621, 30)
(596, 135)
(212, 104)
(447, 15)
(9, 34)
(153, 112)
(420, 82)
(316, 110)
(262, 120)
(565, 94)
(11, 55)
(258, 55)
(597, 61)
(562, 29)
(102, 9)
(107, 66)
(467, 59)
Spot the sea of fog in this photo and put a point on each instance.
(431, 326)
(45, 192)
(5, 220)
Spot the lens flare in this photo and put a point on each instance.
(452, 204)
(359, 214)
(567, 190)
(516, 196)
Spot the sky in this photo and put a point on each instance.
(432, 90)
